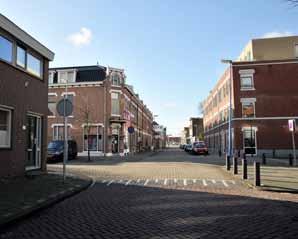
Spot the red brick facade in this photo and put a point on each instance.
(109, 134)
(274, 95)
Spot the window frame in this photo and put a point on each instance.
(25, 63)
(251, 87)
(12, 49)
(254, 108)
(296, 50)
(119, 80)
(118, 98)
(40, 61)
(10, 115)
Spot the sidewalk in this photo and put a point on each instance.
(115, 158)
(20, 197)
(276, 175)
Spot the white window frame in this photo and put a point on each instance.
(9, 110)
(51, 77)
(66, 71)
(255, 130)
(248, 101)
(118, 98)
(245, 74)
(119, 78)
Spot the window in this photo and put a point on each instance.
(58, 132)
(246, 82)
(115, 79)
(93, 138)
(5, 128)
(68, 76)
(51, 77)
(249, 140)
(248, 109)
(34, 65)
(115, 103)
(296, 50)
(52, 104)
(21, 56)
(5, 49)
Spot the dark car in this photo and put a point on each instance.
(200, 148)
(56, 150)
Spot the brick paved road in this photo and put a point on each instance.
(132, 210)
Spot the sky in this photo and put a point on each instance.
(169, 49)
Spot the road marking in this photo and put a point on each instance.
(175, 180)
(146, 182)
(185, 182)
(213, 181)
(224, 183)
(103, 181)
(109, 183)
(194, 180)
(204, 182)
(166, 181)
(156, 180)
(127, 183)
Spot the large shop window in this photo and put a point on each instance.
(34, 65)
(249, 138)
(248, 109)
(5, 128)
(5, 49)
(93, 138)
(115, 103)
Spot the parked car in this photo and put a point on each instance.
(200, 148)
(188, 148)
(56, 150)
(182, 146)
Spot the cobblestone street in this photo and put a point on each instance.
(168, 195)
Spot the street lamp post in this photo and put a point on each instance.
(230, 106)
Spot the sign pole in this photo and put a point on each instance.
(294, 146)
(65, 155)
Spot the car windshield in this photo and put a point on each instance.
(56, 145)
(200, 145)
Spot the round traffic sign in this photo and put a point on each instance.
(64, 105)
(131, 129)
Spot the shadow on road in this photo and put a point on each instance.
(142, 212)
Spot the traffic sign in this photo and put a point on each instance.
(64, 104)
(131, 129)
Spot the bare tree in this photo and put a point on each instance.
(85, 117)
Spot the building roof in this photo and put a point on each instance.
(85, 73)
(23, 36)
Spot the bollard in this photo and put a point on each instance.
(244, 169)
(257, 174)
(235, 165)
(264, 158)
(290, 160)
(228, 163)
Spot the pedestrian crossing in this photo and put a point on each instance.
(223, 183)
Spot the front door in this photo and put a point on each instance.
(33, 142)
(115, 143)
(250, 143)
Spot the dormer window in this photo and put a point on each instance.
(115, 80)
(66, 76)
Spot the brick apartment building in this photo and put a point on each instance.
(23, 100)
(264, 98)
(104, 104)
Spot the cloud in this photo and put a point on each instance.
(169, 105)
(277, 34)
(83, 37)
